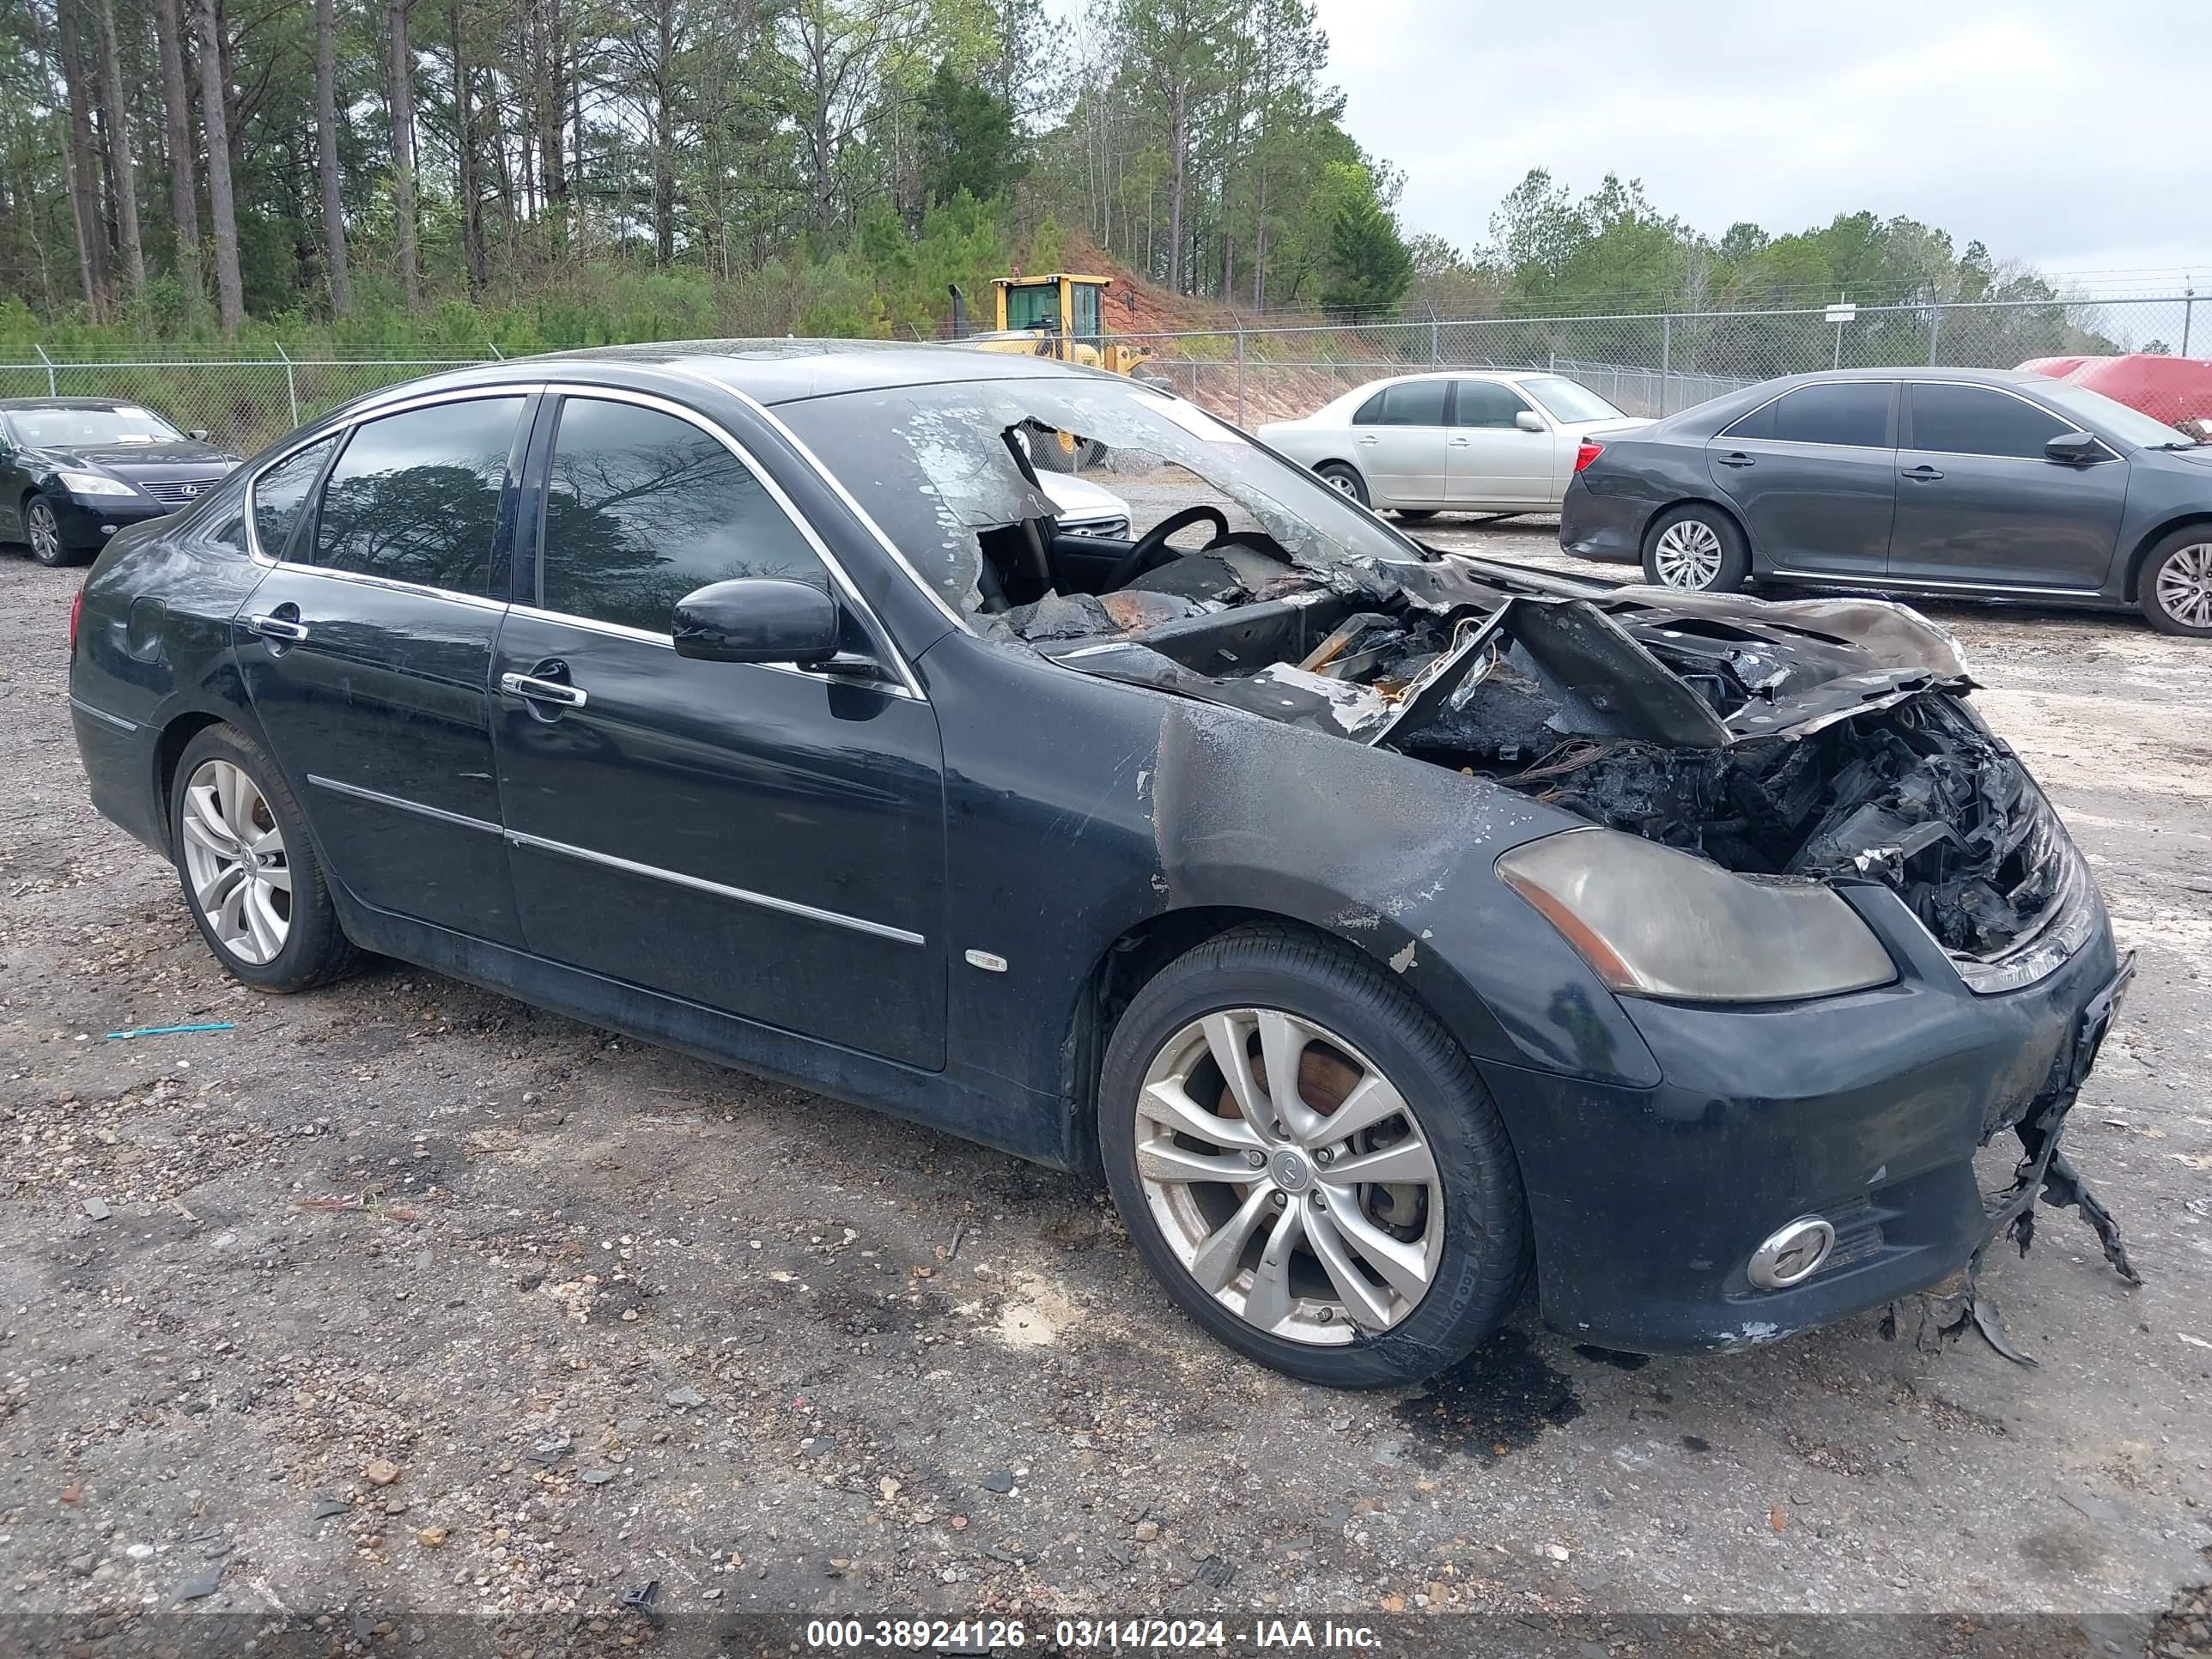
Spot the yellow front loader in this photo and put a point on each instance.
(1061, 316)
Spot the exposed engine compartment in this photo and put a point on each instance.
(1828, 739)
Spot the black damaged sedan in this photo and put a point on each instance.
(1389, 928)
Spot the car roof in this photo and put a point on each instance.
(789, 370)
(1913, 372)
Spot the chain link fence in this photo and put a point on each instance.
(242, 404)
(1655, 363)
(1644, 363)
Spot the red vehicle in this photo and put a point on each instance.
(2175, 390)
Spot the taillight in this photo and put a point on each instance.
(76, 611)
(1587, 451)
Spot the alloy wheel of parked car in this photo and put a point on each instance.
(234, 860)
(2177, 589)
(248, 869)
(1696, 549)
(44, 527)
(1331, 1176)
(1308, 1164)
(1343, 479)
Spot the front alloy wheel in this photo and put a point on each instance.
(235, 863)
(43, 526)
(1308, 1162)
(1290, 1178)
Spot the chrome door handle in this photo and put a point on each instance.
(522, 685)
(276, 628)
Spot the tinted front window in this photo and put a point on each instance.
(1970, 420)
(1485, 403)
(642, 508)
(1844, 412)
(416, 497)
(281, 491)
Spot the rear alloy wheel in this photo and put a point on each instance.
(1343, 479)
(248, 869)
(1697, 550)
(1330, 1192)
(2177, 585)
(43, 526)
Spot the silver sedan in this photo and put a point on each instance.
(1474, 441)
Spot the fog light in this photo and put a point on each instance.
(1793, 1254)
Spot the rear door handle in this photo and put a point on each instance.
(1370, 439)
(1921, 474)
(277, 628)
(1459, 443)
(1737, 459)
(536, 691)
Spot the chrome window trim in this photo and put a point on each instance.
(380, 799)
(706, 424)
(623, 631)
(394, 584)
(2111, 454)
(836, 485)
(400, 405)
(698, 884)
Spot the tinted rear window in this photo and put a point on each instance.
(1855, 412)
(414, 497)
(1415, 403)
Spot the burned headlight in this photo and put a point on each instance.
(1654, 922)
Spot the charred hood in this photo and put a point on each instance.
(1827, 739)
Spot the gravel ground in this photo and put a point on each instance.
(402, 1292)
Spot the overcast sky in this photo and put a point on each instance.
(2073, 135)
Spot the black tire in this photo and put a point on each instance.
(2184, 559)
(1486, 1255)
(1339, 475)
(42, 529)
(315, 950)
(1417, 514)
(1729, 571)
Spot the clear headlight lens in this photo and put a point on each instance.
(1654, 922)
(94, 483)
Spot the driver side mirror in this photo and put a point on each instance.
(2074, 449)
(199, 435)
(757, 619)
(1530, 421)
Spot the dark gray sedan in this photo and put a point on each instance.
(1960, 481)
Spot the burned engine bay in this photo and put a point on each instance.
(1827, 738)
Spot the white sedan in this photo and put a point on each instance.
(1469, 441)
